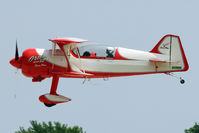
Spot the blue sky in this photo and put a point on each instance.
(149, 103)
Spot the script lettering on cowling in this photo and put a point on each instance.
(37, 59)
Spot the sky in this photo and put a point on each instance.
(149, 103)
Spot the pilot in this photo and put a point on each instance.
(86, 53)
(109, 52)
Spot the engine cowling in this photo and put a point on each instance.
(33, 64)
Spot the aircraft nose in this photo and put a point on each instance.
(16, 63)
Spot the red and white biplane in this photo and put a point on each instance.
(76, 58)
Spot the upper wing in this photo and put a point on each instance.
(68, 40)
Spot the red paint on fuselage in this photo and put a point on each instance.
(34, 65)
(33, 68)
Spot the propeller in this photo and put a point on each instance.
(16, 72)
(16, 53)
(16, 56)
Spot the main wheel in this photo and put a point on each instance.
(49, 105)
(182, 81)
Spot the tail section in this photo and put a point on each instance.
(170, 49)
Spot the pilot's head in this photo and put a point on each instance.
(110, 50)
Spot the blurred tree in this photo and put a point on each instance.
(194, 129)
(50, 128)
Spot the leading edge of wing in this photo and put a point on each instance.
(67, 40)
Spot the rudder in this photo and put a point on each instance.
(170, 46)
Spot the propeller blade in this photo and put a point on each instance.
(16, 53)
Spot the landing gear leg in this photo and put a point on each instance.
(182, 81)
(53, 89)
(54, 85)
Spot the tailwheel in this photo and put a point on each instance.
(49, 105)
(182, 81)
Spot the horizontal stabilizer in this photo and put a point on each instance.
(159, 60)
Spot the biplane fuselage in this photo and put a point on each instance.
(76, 60)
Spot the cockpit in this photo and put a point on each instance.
(94, 51)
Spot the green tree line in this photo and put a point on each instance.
(50, 127)
(194, 129)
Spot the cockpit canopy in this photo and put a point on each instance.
(95, 51)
